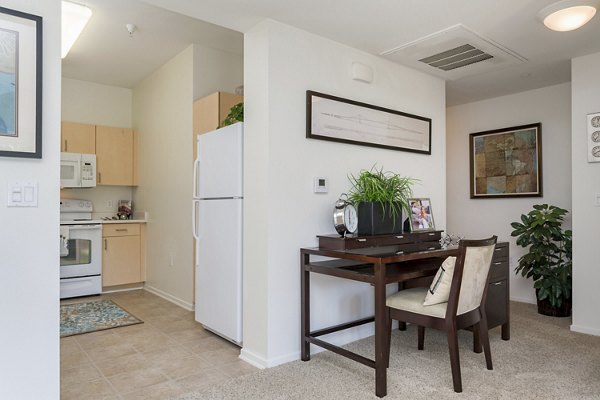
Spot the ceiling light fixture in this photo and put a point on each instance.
(568, 15)
(74, 19)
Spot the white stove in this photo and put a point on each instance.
(75, 210)
(80, 250)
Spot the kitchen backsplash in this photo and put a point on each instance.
(105, 199)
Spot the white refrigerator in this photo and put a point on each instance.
(217, 226)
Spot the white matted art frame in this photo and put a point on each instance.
(347, 121)
(20, 84)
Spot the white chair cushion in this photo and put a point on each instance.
(439, 291)
(475, 273)
(412, 300)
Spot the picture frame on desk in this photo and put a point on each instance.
(421, 215)
(20, 84)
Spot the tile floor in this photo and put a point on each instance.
(168, 355)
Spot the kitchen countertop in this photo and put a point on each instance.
(102, 221)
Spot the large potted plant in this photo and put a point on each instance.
(380, 198)
(548, 261)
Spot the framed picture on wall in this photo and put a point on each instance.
(421, 216)
(20, 84)
(347, 121)
(506, 162)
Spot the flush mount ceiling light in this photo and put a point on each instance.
(74, 19)
(568, 15)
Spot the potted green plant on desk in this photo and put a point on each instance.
(548, 260)
(380, 198)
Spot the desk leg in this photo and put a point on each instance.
(401, 324)
(305, 306)
(380, 332)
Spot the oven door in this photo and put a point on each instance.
(84, 252)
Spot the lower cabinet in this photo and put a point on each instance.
(122, 254)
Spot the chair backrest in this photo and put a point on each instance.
(470, 275)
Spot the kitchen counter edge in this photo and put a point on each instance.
(101, 221)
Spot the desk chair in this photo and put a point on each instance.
(465, 306)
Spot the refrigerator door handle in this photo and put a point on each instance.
(196, 166)
(195, 219)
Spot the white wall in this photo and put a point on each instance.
(96, 104)
(162, 110)
(216, 71)
(29, 294)
(477, 218)
(586, 186)
(282, 213)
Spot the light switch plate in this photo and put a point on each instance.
(22, 194)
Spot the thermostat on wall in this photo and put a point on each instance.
(321, 185)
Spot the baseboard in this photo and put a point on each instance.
(115, 289)
(523, 300)
(586, 330)
(169, 297)
(253, 359)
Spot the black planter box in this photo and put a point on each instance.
(372, 221)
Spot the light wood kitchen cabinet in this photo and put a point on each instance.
(114, 156)
(78, 138)
(123, 254)
(210, 111)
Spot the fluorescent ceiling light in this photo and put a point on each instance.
(74, 19)
(568, 15)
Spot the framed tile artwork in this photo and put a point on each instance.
(506, 162)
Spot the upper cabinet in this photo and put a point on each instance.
(210, 111)
(78, 138)
(114, 156)
(115, 148)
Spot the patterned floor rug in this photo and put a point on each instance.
(93, 316)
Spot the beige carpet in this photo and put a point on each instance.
(543, 360)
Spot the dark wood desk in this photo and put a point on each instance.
(378, 266)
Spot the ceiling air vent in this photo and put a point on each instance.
(460, 56)
(454, 53)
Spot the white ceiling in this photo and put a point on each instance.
(104, 53)
(373, 26)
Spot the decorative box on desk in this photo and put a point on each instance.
(407, 241)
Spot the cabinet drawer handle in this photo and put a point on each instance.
(399, 237)
(431, 234)
(121, 230)
(498, 263)
(431, 248)
(66, 145)
(361, 240)
(99, 177)
(400, 252)
(498, 249)
(105, 244)
(497, 283)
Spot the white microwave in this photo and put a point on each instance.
(77, 170)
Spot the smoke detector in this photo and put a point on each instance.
(130, 28)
